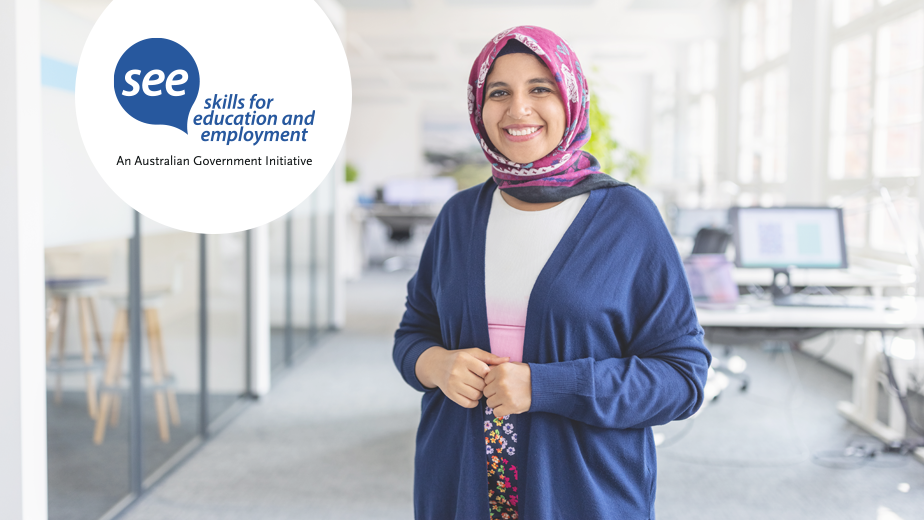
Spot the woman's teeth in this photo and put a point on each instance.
(522, 131)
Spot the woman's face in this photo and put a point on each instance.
(523, 111)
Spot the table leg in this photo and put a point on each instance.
(113, 369)
(97, 335)
(116, 406)
(62, 334)
(157, 373)
(83, 318)
(52, 325)
(862, 411)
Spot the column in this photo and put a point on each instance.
(23, 437)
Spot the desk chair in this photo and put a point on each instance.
(83, 291)
(714, 241)
(162, 382)
(401, 221)
(711, 241)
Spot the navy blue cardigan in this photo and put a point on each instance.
(613, 344)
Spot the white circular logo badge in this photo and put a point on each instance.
(213, 116)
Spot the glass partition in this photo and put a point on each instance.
(88, 454)
(86, 232)
(170, 328)
(227, 343)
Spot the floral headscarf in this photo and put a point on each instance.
(567, 170)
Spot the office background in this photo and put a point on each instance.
(709, 104)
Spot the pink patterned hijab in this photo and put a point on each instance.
(567, 170)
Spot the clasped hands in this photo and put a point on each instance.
(465, 375)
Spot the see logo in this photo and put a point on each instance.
(156, 81)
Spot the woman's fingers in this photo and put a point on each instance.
(465, 380)
(474, 381)
(463, 401)
(468, 392)
(487, 357)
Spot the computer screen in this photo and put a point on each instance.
(427, 190)
(808, 237)
(687, 222)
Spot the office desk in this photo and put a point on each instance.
(908, 314)
(875, 280)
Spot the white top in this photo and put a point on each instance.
(518, 244)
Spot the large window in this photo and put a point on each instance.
(877, 69)
(702, 79)
(764, 100)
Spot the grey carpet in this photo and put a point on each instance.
(86, 480)
(335, 439)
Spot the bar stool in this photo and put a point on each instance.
(162, 382)
(83, 291)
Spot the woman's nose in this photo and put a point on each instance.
(519, 106)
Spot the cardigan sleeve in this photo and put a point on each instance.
(660, 374)
(420, 326)
(632, 392)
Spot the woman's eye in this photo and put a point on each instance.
(497, 93)
(542, 90)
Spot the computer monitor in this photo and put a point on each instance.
(428, 190)
(784, 237)
(687, 221)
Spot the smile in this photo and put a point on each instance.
(522, 134)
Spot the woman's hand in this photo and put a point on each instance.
(509, 388)
(458, 373)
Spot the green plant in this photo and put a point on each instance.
(351, 173)
(615, 159)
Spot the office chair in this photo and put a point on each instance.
(711, 241)
(714, 241)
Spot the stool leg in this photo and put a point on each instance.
(92, 402)
(157, 349)
(157, 373)
(52, 325)
(62, 334)
(113, 370)
(116, 405)
(91, 304)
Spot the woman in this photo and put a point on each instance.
(549, 324)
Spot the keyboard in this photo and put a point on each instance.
(826, 300)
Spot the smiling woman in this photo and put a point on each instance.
(549, 324)
(523, 111)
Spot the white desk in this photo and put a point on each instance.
(857, 276)
(909, 314)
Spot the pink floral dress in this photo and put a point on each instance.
(500, 438)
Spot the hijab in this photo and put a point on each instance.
(567, 170)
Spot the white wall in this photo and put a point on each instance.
(23, 462)
(384, 140)
(79, 206)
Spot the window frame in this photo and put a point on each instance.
(760, 189)
(837, 190)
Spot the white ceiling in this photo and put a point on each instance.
(423, 49)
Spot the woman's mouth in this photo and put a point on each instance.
(523, 133)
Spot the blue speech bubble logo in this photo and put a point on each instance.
(156, 82)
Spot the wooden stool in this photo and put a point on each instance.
(82, 290)
(162, 383)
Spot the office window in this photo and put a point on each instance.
(763, 100)
(874, 132)
(764, 31)
(846, 11)
(664, 130)
(702, 77)
(851, 108)
(894, 232)
(900, 62)
(764, 105)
